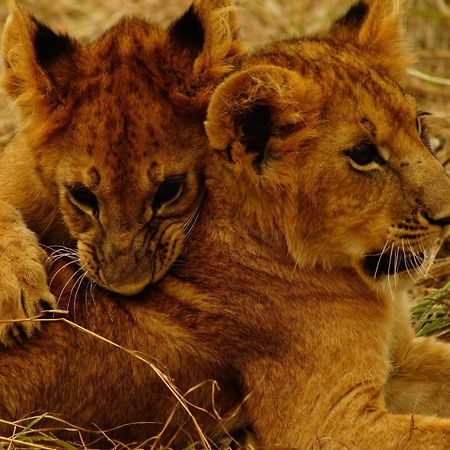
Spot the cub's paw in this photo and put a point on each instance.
(24, 292)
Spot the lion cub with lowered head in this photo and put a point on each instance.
(108, 156)
(319, 172)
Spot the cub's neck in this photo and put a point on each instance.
(224, 249)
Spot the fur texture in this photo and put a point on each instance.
(317, 163)
(108, 158)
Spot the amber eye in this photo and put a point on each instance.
(364, 153)
(83, 197)
(168, 191)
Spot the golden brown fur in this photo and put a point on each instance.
(107, 161)
(317, 162)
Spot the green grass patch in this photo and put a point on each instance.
(431, 316)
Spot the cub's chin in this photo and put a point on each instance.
(128, 289)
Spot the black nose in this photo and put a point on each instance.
(442, 222)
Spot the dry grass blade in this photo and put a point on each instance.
(429, 78)
(162, 376)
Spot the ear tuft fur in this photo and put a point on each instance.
(210, 30)
(38, 66)
(376, 27)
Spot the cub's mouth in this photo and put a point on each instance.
(387, 263)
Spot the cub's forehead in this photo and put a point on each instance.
(128, 41)
(350, 79)
(344, 73)
(370, 95)
(122, 117)
(123, 122)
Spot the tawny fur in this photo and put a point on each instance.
(107, 130)
(275, 301)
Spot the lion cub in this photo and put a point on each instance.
(107, 160)
(288, 316)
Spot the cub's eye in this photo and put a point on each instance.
(364, 154)
(168, 191)
(83, 197)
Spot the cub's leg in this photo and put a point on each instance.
(325, 389)
(420, 382)
(24, 291)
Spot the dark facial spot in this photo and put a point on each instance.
(365, 122)
(404, 164)
(95, 176)
(154, 173)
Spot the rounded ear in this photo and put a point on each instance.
(208, 33)
(376, 26)
(37, 62)
(255, 107)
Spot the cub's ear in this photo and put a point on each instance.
(207, 36)
(259, 114)
(36, 62)
(376, 26)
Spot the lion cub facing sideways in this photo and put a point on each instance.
(108, 156)
(319, 171)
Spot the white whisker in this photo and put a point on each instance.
(406, 257)
(389, 272)
(64, 287)
(379, 258)
(59, 270)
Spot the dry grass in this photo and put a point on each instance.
(263, 20)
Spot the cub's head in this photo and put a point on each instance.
(326, 155)
(115, 131)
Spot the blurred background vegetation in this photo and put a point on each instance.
(428, 25)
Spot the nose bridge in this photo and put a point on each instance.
(431, 184)
(122, 219)
(122, 242)
(122, 232)
(125, 241)
(124, 253)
